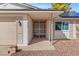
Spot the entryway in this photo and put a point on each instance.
(38, 44)
(39, 29)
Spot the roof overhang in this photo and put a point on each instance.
(28, 11)
(34, 14)
(43, 15)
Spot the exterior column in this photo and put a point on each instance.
(48, 35)
(25, 31)
(50, 30)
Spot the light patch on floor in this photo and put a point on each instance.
(39, 44)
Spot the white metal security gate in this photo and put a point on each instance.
(39, 29)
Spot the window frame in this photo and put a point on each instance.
(62, 26)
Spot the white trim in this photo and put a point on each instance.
(67, 18)
(12, 15)
(25, 30)
(29, 11)
(22, 44)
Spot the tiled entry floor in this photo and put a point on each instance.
(38, 44)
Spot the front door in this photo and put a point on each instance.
(39, 29)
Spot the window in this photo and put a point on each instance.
(58, 26)
(61, 26)
(65, 25)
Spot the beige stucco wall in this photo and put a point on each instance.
(60, 34)
(30, 29)
(50, 26)
(67, 34)
(19, 30)
(64, 34)
(77, 31)
(25, 31)
(7, 31)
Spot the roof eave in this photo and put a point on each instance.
(28, 10)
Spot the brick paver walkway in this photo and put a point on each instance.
(63, 48)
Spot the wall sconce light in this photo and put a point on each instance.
(20, 24)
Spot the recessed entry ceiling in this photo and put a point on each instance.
(40, 15)
(43, 15)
